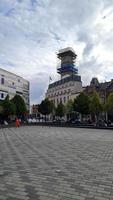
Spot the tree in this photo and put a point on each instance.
(20, 105)
(109, 104)
(95, 105)
(81, 104)
(1, 109)
(60, 110)
(46, 107)
(7, 107)
(69, 109)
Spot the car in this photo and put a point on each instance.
(32, 120)
(77, 122)
(74, 121)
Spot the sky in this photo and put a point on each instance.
(33, 31)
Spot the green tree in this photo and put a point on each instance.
(7, 107)
(1, 107)
(109, 104)
(95, 105)
(81, 104)
(19, 104)
(46, 107)
(69, 109)
(60, 110)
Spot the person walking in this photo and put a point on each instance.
(17, 122)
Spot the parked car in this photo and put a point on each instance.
(32, 120)
(74, 121)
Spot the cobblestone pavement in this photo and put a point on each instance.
(42, 163)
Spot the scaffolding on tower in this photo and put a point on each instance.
(67, 65)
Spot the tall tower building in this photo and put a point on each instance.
(70, 85)
(67, 65)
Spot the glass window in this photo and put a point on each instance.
(2, 95)
(2, 80)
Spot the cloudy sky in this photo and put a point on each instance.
(32, 31)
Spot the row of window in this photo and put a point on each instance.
(61, 87)
(61, 100)
(2, 95)
(3, 80)
(59, 93)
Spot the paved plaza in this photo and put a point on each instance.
(50, 163)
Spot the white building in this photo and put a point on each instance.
(11, 84)
(70, 85)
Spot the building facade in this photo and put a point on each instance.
(12, 84)
(103, 89)
(69, 85)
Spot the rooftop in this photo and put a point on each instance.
(66, 51)
(13, 74)
(73, 77)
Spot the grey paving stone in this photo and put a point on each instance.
(41, 163)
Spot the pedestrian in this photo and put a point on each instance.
(17, 122)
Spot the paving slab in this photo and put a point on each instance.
(54, 163)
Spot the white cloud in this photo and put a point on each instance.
(33, 31)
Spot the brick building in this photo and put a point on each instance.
(103, 89)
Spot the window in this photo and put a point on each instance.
(13, 83)
(18, 80)
(2, 80)
(64, 99)
(2, 95)
(60, 100)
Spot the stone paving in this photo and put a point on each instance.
(50, 163)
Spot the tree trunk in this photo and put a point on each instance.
(80, 117)
(106, 116)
